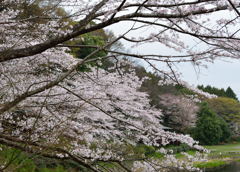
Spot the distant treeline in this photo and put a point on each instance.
(219, 92)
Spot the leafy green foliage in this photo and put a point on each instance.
(18, 161)
(86, 44)
(210, 129)
(88, 40)
(228, 109)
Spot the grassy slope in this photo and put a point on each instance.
(221, 155)
(234, 147)
(227, 151)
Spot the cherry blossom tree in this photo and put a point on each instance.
(180, 112)
(49, 107)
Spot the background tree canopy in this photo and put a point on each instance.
(219, 92)
(210, 129)
(229, 110)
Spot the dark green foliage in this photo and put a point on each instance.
(207, 130)
(88, 40)
(226, 132)
(210, 129)
(213, 90)
(235, 139)
(230, 93)
(86, 44)
(219, 92)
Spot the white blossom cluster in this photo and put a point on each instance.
(17, 32)
(194, 98)
(95, 114)
(89, 107)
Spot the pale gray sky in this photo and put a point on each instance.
(221, 74)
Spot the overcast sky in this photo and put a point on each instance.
(221, 74)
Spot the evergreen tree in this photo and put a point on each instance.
(219, 92)
(210, 129)
(230, 93)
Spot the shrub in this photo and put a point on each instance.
(229, 110)
(210, 129)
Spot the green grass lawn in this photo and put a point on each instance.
(221, 155)
(234, 147)
(210, 164)
(227, 151)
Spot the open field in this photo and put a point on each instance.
(221, 155)
(226, 152)
(234, 147)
